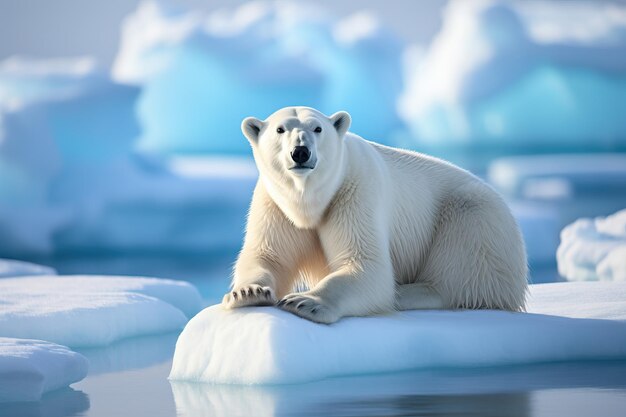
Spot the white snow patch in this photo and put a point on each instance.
(30, 368)
(594, 249)
(93, 310)
(14, 268)
(270, 346)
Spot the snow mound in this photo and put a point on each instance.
(203, 73)
(30, 368)
(13, 268)
(520, 75)
(93, 310)
(269, 346)
(594, 249)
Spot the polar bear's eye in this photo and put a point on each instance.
(280, 130)
(318, 130)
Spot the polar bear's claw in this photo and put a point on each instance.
(308, 307)
(250, 295)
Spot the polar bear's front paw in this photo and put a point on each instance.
(249, 295)
(309, 307)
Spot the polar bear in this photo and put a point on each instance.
(366, 228)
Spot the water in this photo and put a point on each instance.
(129, 378)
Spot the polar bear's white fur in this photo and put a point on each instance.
(369, 228)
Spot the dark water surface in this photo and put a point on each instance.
(129, 378)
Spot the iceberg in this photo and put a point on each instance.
(60, 120)
(519, 77)
(203, 73)
(14, 268)
(84, 311)
(71, 179)
(594, 249)
(270, 346)
(30, 368)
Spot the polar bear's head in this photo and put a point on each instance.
(296, 145)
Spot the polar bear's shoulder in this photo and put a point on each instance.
(403, 158)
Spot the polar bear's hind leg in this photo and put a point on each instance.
(477, 258)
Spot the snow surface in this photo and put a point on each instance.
(594, 249)
(203, 73)
(520, 75)
(270, 346)
(70, 177)
(30, 368)
(14, 268)
(82, 310)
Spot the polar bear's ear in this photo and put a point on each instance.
(341, 121)
(251, 127)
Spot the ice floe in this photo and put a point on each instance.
(81, 311)
(15, 268)
(30, 368)
(270, 346)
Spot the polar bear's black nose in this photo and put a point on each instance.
(300, 154)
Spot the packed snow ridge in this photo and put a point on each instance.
(81, 311)
(30, 368)
(594, 249)
(270, 346)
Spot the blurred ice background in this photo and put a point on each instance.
(119, 131)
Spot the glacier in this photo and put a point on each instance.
(203, 73)
(87, 311)
(30, 368)
(594, 249)
(15, 268)
(519, 77)
(565, 321)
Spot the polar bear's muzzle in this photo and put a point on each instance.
(300, 156)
